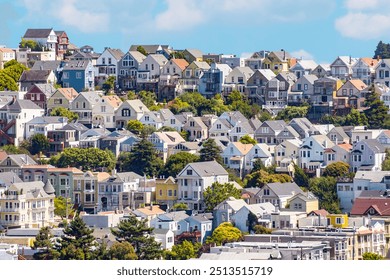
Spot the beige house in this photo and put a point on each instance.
(6, 54)
(303, 202)
(129, 110)
(61, 98)
(27, 205)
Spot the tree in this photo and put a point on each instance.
(224, 233)
(236, 102)
(122, 251)
(217, 193)
(259, 229)
(10, 75)
(60, 206)
(246, 139)
(324, 188)
(33, 45)
(337, 169)
(148, 98)
(77, 243)
(382, 51)
(259, 178)
(179, 206)
(44, 245)
(355, 118)
(184, 251)
(291, 112)
(210, 151)
(143, 159)
(142, 50)
(176, 162)
(386, 162)
(372, 256)
(38, 143)
(64, 112)
(300, 177)
(377, 110)
(109, 84)
(13, 150)
(265, 116)
(138, 234)
(88, 158)
(131, 95)
(135, 126)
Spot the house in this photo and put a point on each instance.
(148, 213)
(14, 163)
(303, 127)
(367, 155)
(107, 65)
(85, 53)
(149, 72)
(339, 152)
(338, 135)
(166, 191)
(78, 74)
(232, 60)
(196, 129)
(256, 84)
(322, 70)
(189, 81)
(225, 211)
(277, 91)
(170, 120)
(268, 131)
(165, 141)
(288, 132)
(64, 182)
(200, 226)
(213, 80)
(6, 54)
(91, 137)
(174, 221)
(129, 110)
(67, 136)
(192, 55)
(41, 125)
(152, 118)
(278, 193)
(303, 67)
(278, 61)
(40, 94)
(154, 49)
(165, 237)
(103, 113)
(303, 202)
(14, 117)
(234, 157)
(27, 205)
(128, 69)
(114, 140)
(55, 66)
(350, 95)
(7, 179)
(237, 79)
(372, 206)
(62, 97)
(341, 67)
(171, 73)
(302, 90)
(364, 69)
(240, 129)
(83, 105)
(128, 144)
(221, 127)
(116, 192)
(286, 155)
(189, 147)
(62, 44)
(31, 77)
(382, 72)
(359, 133)
(195, 178)
(311, 153)
(45, 38)
(384, 138)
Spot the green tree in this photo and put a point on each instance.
(265, 116)
(64, 112)
(382, 51)
(88, 158)
(210, 151)
(10, 75)
(44, 245)
(259, 229)
(179, 206)
(135, 126)
(246, 139)
(13, 150)
(386, 162)
(300, 177)
(224, 233)
(178, 106)
(143, 159)
(291, 112)
(259, 178)
(176, 55)
(176, 162)
(138, 234)
(109, 84)
(60, 207)
(77, 243)
(131, 95)
(184, 251)
(236, 102)
(38, 143)
(148, 98)
(217, 193)
(33, 45)
(355, 118)
(142, 50)
(122, 251)
(372, 256)
(337, 169)
(377, 110)
(324, 188)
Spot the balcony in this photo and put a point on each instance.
(9, 197)
(9, 223)
(9, 210)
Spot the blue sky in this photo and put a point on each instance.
(316, 29)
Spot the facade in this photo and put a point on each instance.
(79, 75)
(128, 68)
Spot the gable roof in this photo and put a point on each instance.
(195, 52)
(201, 64)
(340, 131)
(21, 104)
(37, 33)
(113, 100)
(116, 53)
(306, 64)
(320, 212)
(283, 189)
(46, 89)
(207, 168)
(362, 205)
(76, 65)
(180, 62)
(374, 145)
(139, 57)
(35, 75)
(68, 93)
(46, 65)
(242, 148)
(372, 62)
(137, 105)
(358, 84)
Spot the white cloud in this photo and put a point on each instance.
(302, 54)
(361, 4)
(179, 15)
(363, 25)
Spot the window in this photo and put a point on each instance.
(65, 75)
(89, 198)
(238, 129)
(109, 60)
(339, 220)
(103, 109)
(189, 172)
(78, 75)
(126, 113)
(103, 60)
(219, 126)
(266, 192)
(169, 192)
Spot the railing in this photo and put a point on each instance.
(9, 197)
(9, 210)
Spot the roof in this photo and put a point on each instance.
(21, 104)
(139, 57)
(68, 93)
(48, 188)
(363, 204)
(235, 204)
(345, 146)
(37, 33)
(173, 216)
(201, 64)
(195, 52)
(207, 168)
(243, 148)
(35, 75)
(182, 63)
(76, 65)
(370, 61)
(159, 58)
(65, 169)
(8, 178)
(30, 189)
(307, 64)
(320, 212)
(75, 126)
(4, 50)
(340, 131)
(373, 176)
(137, 105)
(117, 53)
(285, 189)
(113, 100)
(374, 145)
(46, 89)
(150, 210)
(48, 120)
(275, 125)
(46, 65)
(358, 84)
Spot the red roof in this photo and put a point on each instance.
(321, 212)
(380, 206)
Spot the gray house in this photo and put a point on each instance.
(128, 69)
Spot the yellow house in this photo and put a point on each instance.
(166, 191)
(303, 202)
(338, 220)
(278, 61)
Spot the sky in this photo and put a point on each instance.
(308, 29)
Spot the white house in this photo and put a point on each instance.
(129, 110)
(41, 125)
(103, 113)
(367, 155)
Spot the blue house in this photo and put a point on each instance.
(202, 223)
(78, 74)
